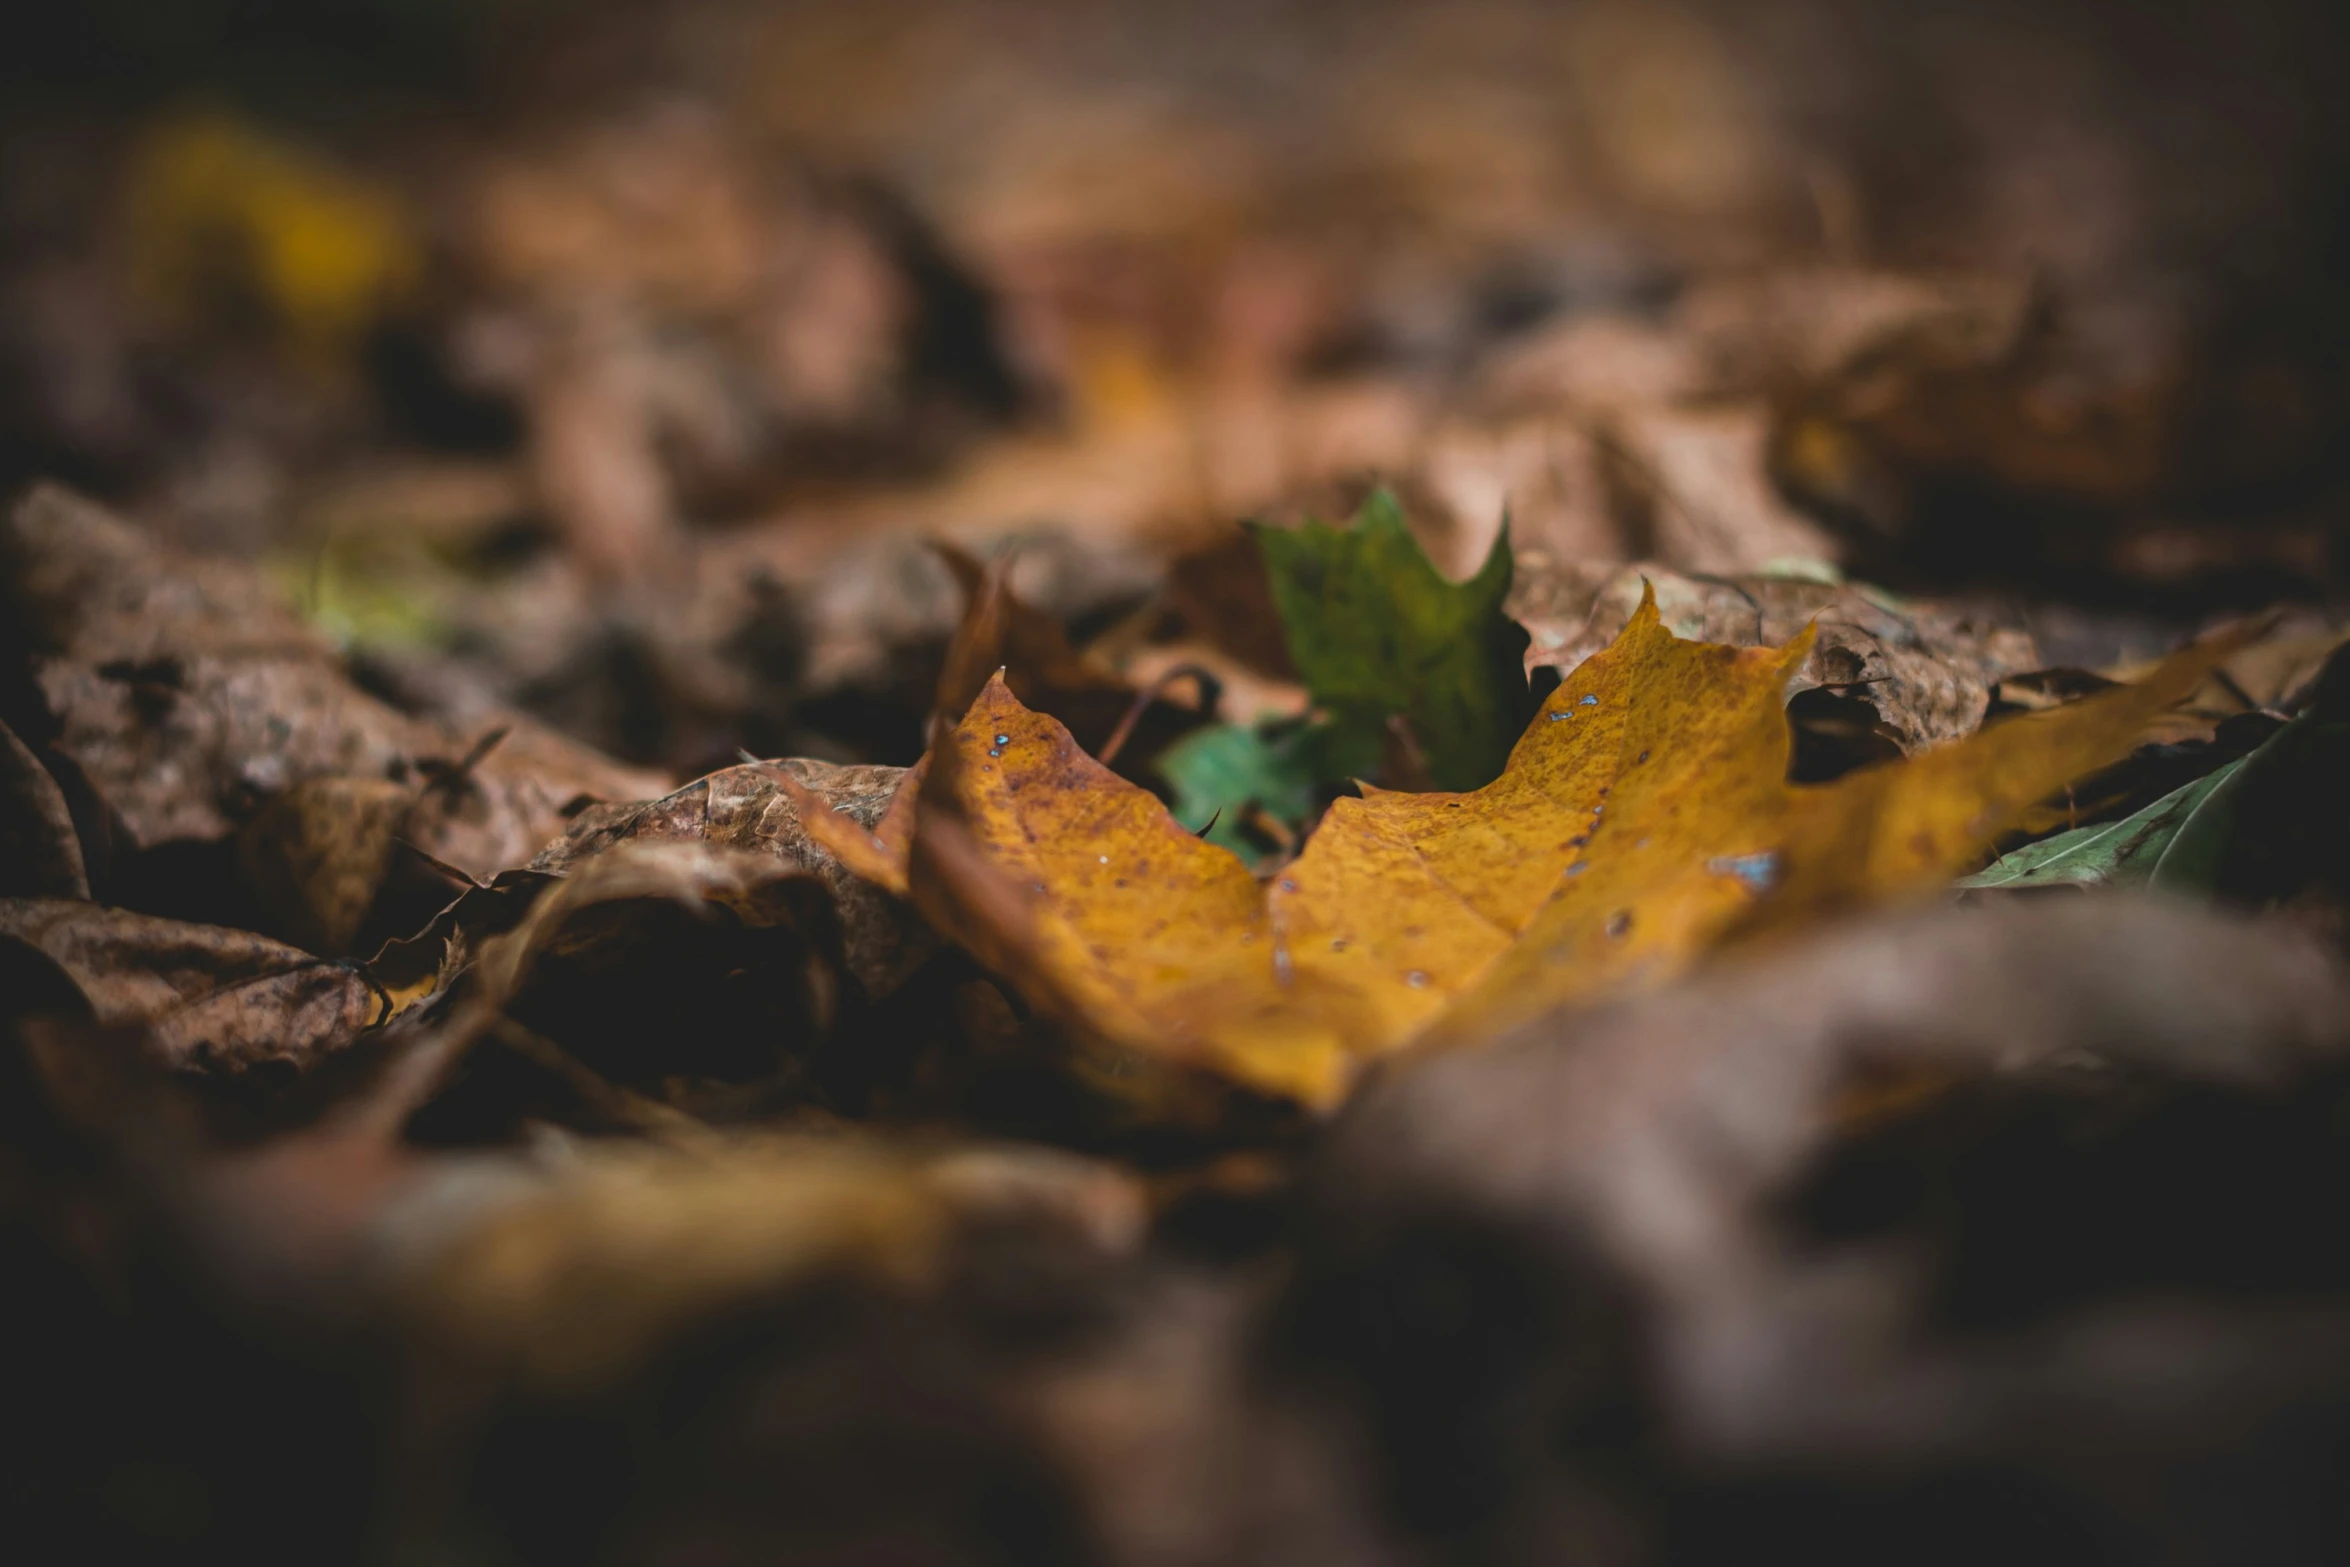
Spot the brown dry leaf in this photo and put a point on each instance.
(2022, 414)
(749, 950)
(188, 696)
(759, 936)
(40, 853)
(1613, 438)
(317, 855)
(211, 999)
(1696, 481)
(1749, 335)
(1000, 631)
(2272, 675)
(413, 969)
(766, 808)
(671, 305)
(1645, 816)
(687, 874)
(874, 845)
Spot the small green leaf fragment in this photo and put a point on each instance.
(2269, 824)
(1281, 768)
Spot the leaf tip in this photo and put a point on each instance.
(995, 702)
(1799, 646)
(1646, 614)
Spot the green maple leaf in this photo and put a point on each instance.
(1377, 632)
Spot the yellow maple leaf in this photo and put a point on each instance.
(1644, 817)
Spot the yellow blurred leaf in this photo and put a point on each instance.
(224, 218)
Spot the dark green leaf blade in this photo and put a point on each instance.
(2110, 854)
(1375, 630)
(2279, 821)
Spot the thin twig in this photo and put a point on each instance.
(1209, 689)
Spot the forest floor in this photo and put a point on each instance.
(1102, 783)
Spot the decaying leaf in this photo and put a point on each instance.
(760, 808)
(188, 697)
(999, 630)
(771, 950)
(873, 844)
(1644, 816)
(212, 999)
(749, 946)
(1374, 630)
(317, 855)
(40, 853)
